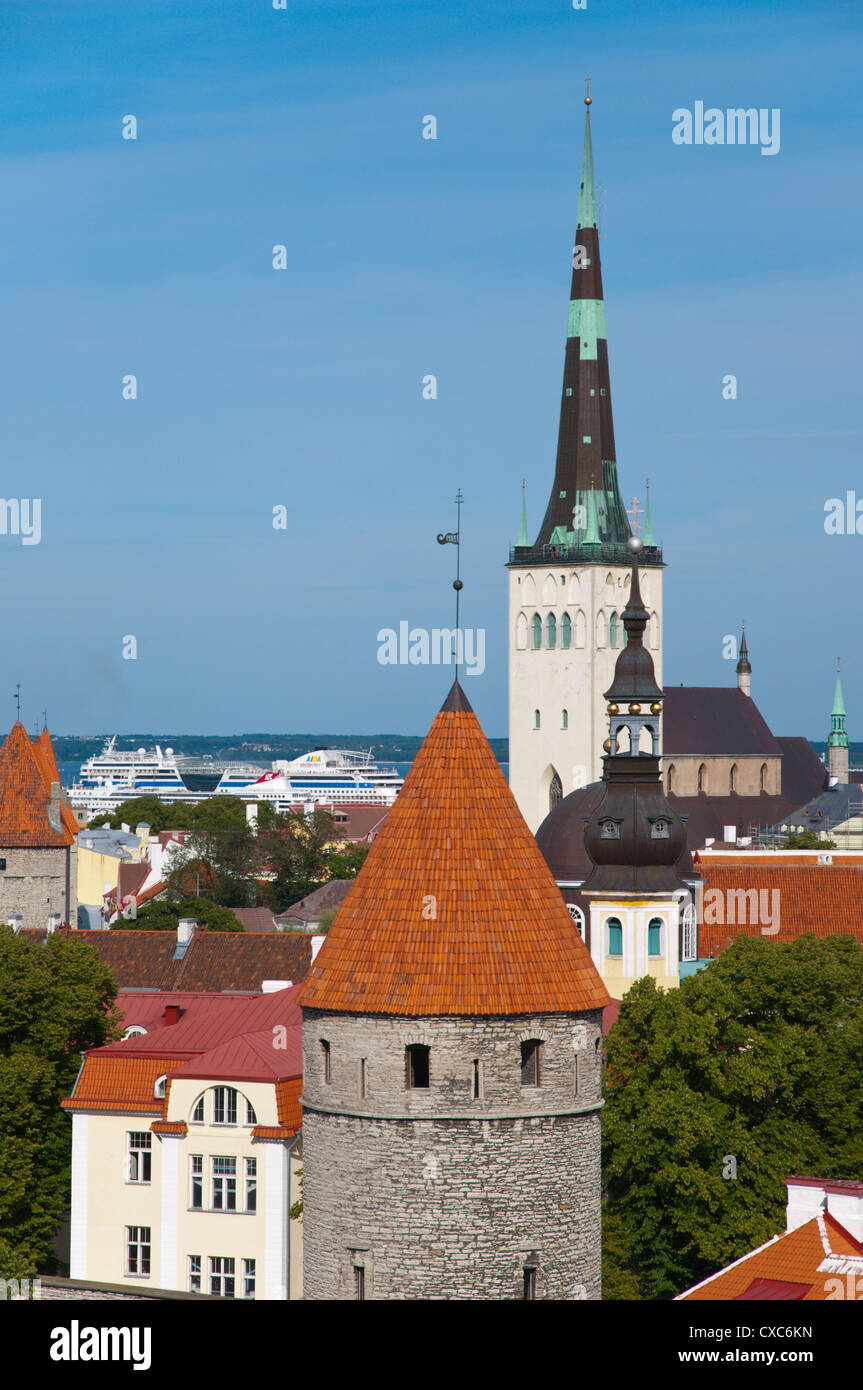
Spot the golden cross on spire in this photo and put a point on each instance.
(588, 99)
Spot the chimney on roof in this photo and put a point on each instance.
(273, 986)
(171, 1015)
(186, 930)
(809, 1196)
(54, 920)
(54, 806)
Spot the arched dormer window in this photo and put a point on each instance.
(161, 1087)
(551, 631)
(702, 778)
(566, 632)
(732, 779)
(654, 936)
(136, 1031)
(613, 937)
(537, 632)
(612, 630)
(417, 1067)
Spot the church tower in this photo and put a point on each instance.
(568, 589)
(837, 742)
(634, 838)
(744, 669)
(452, 1040)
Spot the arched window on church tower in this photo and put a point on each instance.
(537, 632)
(564, 718)
(521, 632)
(566, 632)
(732, 779)
(580, 629)
(555, 792)
(669, 779)
(764, 777)
(702, 778)
(612, 630)
(551, 631)
(600, 629)
(536, 719)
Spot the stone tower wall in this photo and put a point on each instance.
(436, 1194)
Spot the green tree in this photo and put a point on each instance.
(807, 839)
(296, 854)
(218, 858)
(718, 1091)
(54, 1003)
(163, 915)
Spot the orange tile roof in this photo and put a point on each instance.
(169, 1127)
(25, 796)
(455, 910)
(825, 900)
(43, 750)
(119, 1082)
(288, 1103)
(803, 1256)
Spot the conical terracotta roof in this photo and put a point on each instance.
(454, 911)
(43, 749)
(25, 796)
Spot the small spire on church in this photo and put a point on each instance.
(648, 524)
(523, 537)
(744, 670)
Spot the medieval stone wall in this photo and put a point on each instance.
(33, 884)
(435, 1193)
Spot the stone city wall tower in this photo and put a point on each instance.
(451, 1056)
(567, 590)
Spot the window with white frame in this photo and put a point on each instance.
(654, 936)
(224, 1184)
(689, 933)
(251, 1184)
(251, 1117)
(198, 1112)
(196, 1175)
(224, 1105)
(248, 1278)
(194, 1274)
(139, 1157)
(577, 916)
(138, 1250)
(222, 1276)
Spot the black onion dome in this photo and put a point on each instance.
(634, 838)
(634, 676)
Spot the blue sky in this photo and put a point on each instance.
(405, 257)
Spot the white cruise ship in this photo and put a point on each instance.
(325, 775)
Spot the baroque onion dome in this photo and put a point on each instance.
(633, 838)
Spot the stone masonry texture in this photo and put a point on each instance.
(436, 1194)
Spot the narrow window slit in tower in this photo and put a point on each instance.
(362, 1076)
(417, 1067)
(325, 1052)
(530, 1283)
(476, 1078)
(359, 1282)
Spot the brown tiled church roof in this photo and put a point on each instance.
(25, 796)
(454, 911)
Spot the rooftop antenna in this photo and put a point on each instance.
(454, 538)
(44, 720)
(18, 698)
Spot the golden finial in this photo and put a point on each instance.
(588, 99)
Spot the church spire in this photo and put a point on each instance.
(585, 446)
(523, 538)
(837, 743)
(744, 670)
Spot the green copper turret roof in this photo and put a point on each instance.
(838, 737)
(647, 538)
(523, 537)
(838, 702)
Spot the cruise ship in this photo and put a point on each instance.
(325, 775)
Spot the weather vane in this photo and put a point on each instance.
(454, 538)
(635, 511)
(18, 698)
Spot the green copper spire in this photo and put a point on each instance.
(587, 192)
(523, 537)
(648, 524)
(838, 737)
(592, 537)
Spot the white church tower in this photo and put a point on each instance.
(568, 590)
